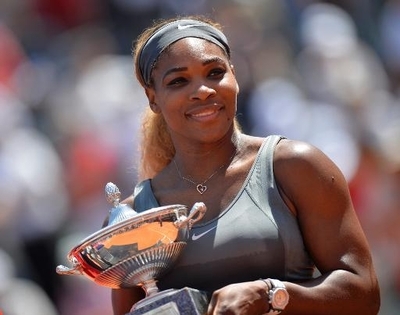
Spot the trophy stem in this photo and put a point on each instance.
(150, 287)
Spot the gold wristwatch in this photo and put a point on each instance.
(278, 297)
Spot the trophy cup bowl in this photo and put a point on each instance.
(135, 249)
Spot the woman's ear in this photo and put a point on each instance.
(154, 107)
(152, 100)
(150, 94)
(233, 71)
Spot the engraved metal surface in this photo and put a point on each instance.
(135, 248)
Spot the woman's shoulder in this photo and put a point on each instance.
(141, 187)
(298, 152)
(285, 149)
(302, 170)
(303, 163)
(289, 154)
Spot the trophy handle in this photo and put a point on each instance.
(196, 214)
(75, 270)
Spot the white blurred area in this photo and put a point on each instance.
(323, 72)
(19, 295)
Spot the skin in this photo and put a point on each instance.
(195, 88)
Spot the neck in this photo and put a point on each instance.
(198, 163)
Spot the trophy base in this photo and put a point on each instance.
(186, 301)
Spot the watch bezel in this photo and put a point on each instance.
(278, 298)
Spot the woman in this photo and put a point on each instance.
(277, 209)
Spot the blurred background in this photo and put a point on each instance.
(327, 72)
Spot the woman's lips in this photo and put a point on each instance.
(204, 113)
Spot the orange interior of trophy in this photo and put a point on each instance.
(147, 235)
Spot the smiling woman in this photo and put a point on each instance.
(273, 211)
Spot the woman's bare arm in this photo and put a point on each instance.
(317, 192)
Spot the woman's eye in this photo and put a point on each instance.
(217, 72)
(176, 81)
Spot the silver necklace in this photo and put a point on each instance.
(202, 187)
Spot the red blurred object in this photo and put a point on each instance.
(11, 56)
(91, 163)
(68, 13)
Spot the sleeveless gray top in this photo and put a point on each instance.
(256, 236)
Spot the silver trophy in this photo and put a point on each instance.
(135, 249)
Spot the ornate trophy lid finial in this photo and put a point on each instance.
(118, 212)
(113, 194)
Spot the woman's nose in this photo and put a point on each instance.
(202, 92)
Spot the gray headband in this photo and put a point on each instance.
(172, 32)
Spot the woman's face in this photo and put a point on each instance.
(195, 89)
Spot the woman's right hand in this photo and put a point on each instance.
(246, 298)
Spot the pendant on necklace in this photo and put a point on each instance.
(201, 188)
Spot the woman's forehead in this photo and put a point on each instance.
(191, 47)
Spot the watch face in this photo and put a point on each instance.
(280, 299)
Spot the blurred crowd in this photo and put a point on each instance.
(327, 72)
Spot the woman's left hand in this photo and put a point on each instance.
(247, 298)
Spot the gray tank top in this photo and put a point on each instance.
(256, 236)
